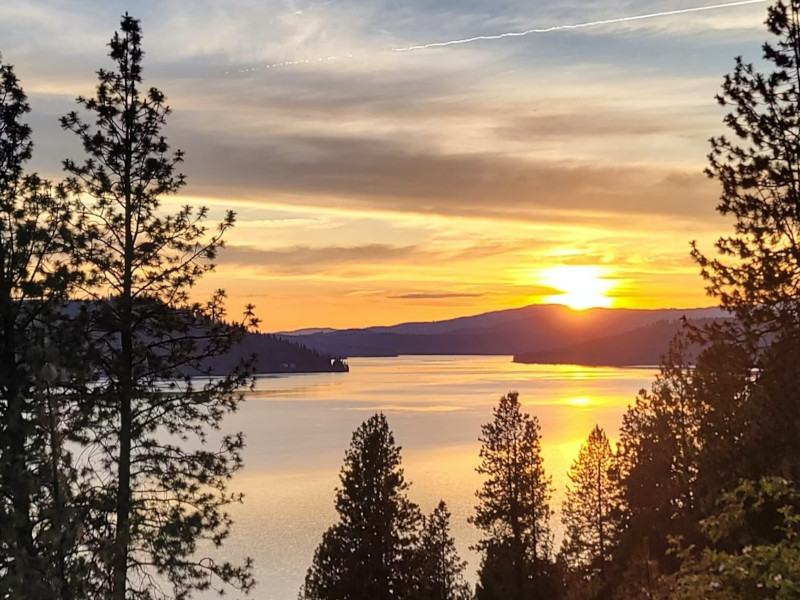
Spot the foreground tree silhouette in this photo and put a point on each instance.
(370, 554)
(739, 418)
(592, 510)
(658, 457)
(154, 493)
(756, 273)
(514, 510)
(441, 574)
(35, 531)
(758, 269)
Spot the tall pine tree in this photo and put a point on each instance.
(757, 271)
(514, 509)
(371, 553)
(750, 426)
(156, 486)
(591, 512)
(35, 232)
(658, 461)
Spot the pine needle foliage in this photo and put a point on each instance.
(757, 271)
(37, 524)
(371, 552)
(513, 512)
(592, 508)
(155, 465)
(442, 570)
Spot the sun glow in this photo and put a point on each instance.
(581, 401)
(580, 287)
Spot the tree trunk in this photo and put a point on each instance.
(601, 532)
(125, 396)
(13, 449)
(59, 586)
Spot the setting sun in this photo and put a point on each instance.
(579, 401)
(581, 287)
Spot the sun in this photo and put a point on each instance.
(580, 287)
(580, 401)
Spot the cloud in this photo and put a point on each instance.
(427, 408)
(567, 120)
(421, 137)
(433, 253)
(447, 173)
(382, 174)
(436, 295)
(306, 259)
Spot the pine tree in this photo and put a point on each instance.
(658, 458)
(735, 415)
(155, 485)
(514, 510)
(746, 382)
(757, 273)
(441, 574)
(35, 231)
(722, 385)
(591, 513)
(371, 553)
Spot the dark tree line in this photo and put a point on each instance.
(35, 275)
(383, 547)
(103, 490)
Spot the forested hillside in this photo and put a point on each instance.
(274, 354)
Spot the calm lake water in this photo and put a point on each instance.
(298, 427)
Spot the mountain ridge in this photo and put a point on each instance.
(519, 331)
(642, 347)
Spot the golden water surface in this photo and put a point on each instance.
(298, 428)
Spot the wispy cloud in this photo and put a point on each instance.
(436, 295)
(305, 259)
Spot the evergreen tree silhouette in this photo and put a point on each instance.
(592, 508)
(371, 552)
(36, 232)
(154, 492)
(441, 574)
(514, 507)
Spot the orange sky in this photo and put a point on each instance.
(378, 186)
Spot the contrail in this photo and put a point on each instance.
(499, 36)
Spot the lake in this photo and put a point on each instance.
(299, 426)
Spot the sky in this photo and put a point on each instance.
(374, 184)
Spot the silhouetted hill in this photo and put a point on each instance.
(640, 347)
(309, 331)
(275, 355)
(531, 329)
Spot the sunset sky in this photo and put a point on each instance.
(375, 186)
